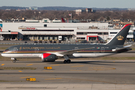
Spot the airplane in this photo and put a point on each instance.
(51, 52)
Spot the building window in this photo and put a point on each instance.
(130, 33)
(50, 30)
(105, 33)
(81, 38)
(92, 32)
(113, 32)
(100, 33)
(81, 33)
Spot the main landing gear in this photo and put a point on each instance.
(14, 60)
(67, 60)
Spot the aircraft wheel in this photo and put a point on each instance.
(68, 61)
(13, 60)
(65, 61)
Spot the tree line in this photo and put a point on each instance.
(124, 15)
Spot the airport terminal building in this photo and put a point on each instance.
(57, 31)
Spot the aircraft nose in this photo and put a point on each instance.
(1, 54)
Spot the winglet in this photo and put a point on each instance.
(120, 38)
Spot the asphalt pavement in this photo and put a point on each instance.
(78, 75)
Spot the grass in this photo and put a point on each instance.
(133, 49)
(115, 58)
(17, 68)
(3, 48)
(4, 59)
(106, 58)
(9, 81)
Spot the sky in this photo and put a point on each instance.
(71, 3)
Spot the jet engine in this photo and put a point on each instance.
(47, 57)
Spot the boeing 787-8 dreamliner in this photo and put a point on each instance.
(50, 52)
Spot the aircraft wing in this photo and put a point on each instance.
(70, 52)
(128, 47)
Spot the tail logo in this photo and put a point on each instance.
(120, 37)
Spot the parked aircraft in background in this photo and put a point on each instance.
(63, 20)
(50, 52)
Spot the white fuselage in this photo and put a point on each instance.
(38, 55)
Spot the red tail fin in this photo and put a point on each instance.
(62, 19)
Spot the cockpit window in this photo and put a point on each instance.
(15, 49)
(12, 49)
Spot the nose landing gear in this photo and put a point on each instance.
(14, 60)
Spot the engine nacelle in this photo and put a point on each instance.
(47, 57)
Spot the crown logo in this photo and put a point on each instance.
(120, 37)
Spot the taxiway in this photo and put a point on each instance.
(82, 72)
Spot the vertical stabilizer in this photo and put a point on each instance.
(120, 38)
(63, 21)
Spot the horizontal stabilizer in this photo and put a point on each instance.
(128, 47)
